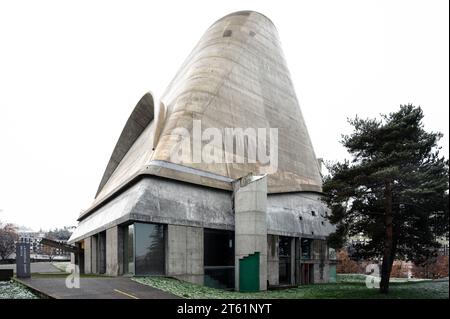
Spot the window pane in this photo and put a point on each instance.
(149, 249)
(219, 247)
(219, 258)
(129, 249)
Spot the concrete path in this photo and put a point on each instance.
(96, 288)
(41, 267)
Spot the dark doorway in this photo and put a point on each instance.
(219, 258)
(307, 274)
(284, 255)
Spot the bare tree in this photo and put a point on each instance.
(8, 238)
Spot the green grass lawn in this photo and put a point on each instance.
(340, 290)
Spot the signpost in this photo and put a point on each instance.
(23, 260)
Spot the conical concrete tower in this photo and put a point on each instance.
(235, 77)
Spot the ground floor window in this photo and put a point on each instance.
(219, 258)
(306, 248)
(144, 252)
(284, 255)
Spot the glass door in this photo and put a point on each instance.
(129, 250)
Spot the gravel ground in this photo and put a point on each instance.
(349, 290)
(12, 290)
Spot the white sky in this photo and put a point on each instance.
(72, 71)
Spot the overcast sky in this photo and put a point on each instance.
(72, 71)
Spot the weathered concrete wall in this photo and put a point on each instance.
(184, 253)
(114, 251)
(321, 273)
(88, 255)
(250, 225)
(162, 201)
(298, 215)
(167, 201)
(101, 252)
(272, 260)
(292, 281)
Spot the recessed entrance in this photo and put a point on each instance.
(307, 274)
(219, 258)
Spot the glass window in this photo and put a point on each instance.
(306, 248)
(219, 247)
(219, 258)
(149, 250)
(284, 247)
(129, 249)
(284, 255)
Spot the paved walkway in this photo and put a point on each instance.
(96, 288)
(40, 267)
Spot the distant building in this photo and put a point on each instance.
(238, 225)
(37, 250)
(33, 238)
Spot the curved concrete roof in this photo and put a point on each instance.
(139, 119)
(235, 77)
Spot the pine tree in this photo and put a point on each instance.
(394, 191)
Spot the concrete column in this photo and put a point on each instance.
(101, 253)
(250, 208)
(184, 253)
(298, 254)
(273, 261)
(114, 251)
(292, 280)
(87, 255)
(94, 268)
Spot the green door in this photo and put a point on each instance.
(249, 273)
(332, 273)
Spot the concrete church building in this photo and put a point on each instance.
(235, 225)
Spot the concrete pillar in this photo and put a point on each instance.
(101, 253)
(273, 261)
(250, 208)
(88, 255)
(184, 253)
(298, 254)
(94, 268)
(292, 280)
(114, 251)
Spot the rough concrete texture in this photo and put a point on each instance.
(114, 251)
(236, 77)
(184, 253)
(154, 199)
(87, 255)
(292, 261)
(163, 201)
(299, 214)
(272, 260)
(250, 226)
(321, 273)
(101, 253)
